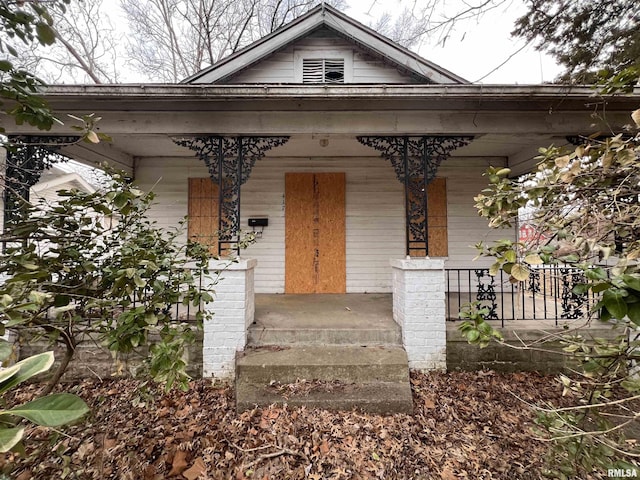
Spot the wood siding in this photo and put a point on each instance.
(280, 67)
(375, 217)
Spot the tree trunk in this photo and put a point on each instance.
(68, 356)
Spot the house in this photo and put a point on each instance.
(355, 159)
(53, 180)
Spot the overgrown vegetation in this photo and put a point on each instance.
(93, 268)
(586, 201)
(48, 411)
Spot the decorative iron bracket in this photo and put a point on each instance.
(230, 161)
(415, 161)
(577, 140)
(27, 158)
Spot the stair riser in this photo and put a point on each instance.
(344, 373)
(258, 337)
(377, 398)
(378, 408)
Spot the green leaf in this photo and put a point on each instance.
(533, 259)
(46, 35)
(9, 437)
(53, 410)
(600, 287)
(28, 368)
(633, 312)
(61, 300)
(92, 137)
(510, 256)
(6, 349)
(631, 385)
(494, 269)
(614, 302)
(472, 335)
(7, 373)
(632, 281)
(520, 272)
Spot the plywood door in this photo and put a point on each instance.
(315, 242)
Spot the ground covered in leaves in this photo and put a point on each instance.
(464, 425)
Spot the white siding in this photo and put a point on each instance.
(466, 227)
(280, 67)
(375, 220)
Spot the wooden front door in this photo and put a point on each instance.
(315, 256)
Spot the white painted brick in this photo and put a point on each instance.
(233, 309)
(419, 308)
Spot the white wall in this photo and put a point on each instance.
(279, 68)
(375, 222)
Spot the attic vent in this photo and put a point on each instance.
(322, 70)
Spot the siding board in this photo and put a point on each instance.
(375, 219)
(280, 67)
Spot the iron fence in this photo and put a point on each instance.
(548, 294)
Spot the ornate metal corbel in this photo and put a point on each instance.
(27, 158)
(415, 161)
(230, 161)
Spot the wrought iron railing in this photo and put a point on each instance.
(178, 311)
(548, 294)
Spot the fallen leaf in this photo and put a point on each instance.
(179, 463)
(429, 402)
(197, 469)
(324, 448)
(447, 474)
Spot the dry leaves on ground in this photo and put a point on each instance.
(464, 425)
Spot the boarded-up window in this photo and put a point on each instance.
(436, 220)
(322, 70)
(203, 212)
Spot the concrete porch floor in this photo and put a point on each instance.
(352, 310)
(327, 319)
(363, 311)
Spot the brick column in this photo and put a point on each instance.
(233, 311)
(419, 309)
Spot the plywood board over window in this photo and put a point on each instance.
(436, 220)
(315, 238)
(203, 212)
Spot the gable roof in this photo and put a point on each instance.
(328, 17)
(65, 181)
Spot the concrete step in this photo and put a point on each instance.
(345, 363)
(379, 397)
(260, 336)
(375, 379)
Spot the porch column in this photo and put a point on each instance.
(233, 311)
(419, 308)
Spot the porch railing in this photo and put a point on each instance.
(547, 295)
(178, 311)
